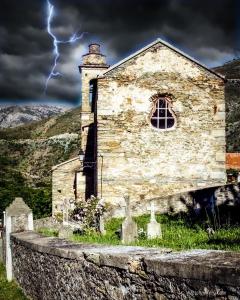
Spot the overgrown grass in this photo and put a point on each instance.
(177, 235)
(48, 232)
(9, 290)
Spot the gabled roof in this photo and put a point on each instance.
(158, 40)
(17, 207)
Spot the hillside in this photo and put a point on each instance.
(27, 154)
(16, 115)
(231, 70)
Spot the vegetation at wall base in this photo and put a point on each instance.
(178, 234)
(9, 290)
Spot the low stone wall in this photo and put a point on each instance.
(52, 268)
(228, 194)
(48, 222)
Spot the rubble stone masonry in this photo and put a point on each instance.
(143, 161)
(51, 268)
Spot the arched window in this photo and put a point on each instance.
(162, 116)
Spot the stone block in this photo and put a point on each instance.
(221, 107)
(218, 175)
(219, 116)
(219, 132)
(159, 296)
(220, 156)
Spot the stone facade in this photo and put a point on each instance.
(132, 156)
(66, 178)
(51, 268)
(143, 161)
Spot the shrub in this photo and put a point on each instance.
(88, 213)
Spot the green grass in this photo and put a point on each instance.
(48, 232)
(9, 290)
(177, 235)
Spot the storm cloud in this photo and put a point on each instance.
(205, 29)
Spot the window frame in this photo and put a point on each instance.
(167, 107)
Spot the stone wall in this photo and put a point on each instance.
(64, 179)
(142, 161)
(48, 222)
(50, 268)
(186, 202)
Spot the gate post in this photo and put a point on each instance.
(18, 217)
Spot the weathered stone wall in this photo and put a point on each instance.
(228, 195)
(48, 222)
(142, 161)
(63, 177)
(51, 268)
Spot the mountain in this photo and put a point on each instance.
(16, 115)
(27, 154)
(231, 71)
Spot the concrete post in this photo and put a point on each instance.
(4, 219)
(30, 221)
(8, 230)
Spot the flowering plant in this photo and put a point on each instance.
(88, 212)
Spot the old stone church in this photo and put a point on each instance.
(152, 125)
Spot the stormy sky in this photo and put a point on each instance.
(205, 29)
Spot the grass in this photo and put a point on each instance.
(177, 235)
(9, 290)
(48, 232)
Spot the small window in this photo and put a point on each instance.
(91, 91)
(162, 116)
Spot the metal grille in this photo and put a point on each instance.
(162, 117)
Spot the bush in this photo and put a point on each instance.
(88, 213)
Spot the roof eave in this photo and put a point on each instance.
(159, 40)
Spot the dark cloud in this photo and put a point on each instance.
(204, 29)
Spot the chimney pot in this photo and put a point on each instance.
(94, 48)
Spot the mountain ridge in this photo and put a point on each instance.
(16, 115)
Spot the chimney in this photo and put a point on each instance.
(94, 58)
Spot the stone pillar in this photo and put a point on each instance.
(18, 217)
(93, 65)
(4, 218)
(8, 252)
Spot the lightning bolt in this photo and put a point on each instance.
(56, 42)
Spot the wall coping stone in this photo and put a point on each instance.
(64, 163)
(222, 267)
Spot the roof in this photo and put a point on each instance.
(159, 40)
(233, 161)
(65, 162)
(17, 207)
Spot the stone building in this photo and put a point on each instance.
(152, 125)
